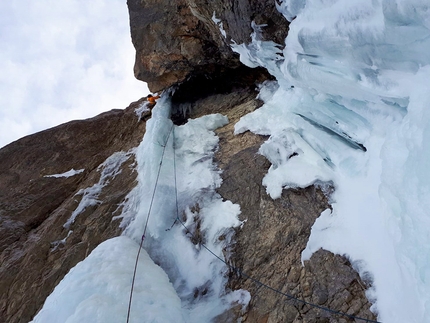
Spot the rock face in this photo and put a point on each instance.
(269, 245)
(178, 43)
(34, 208)
(37, 250)
(179, 40)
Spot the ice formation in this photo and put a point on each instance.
(97, 289)
(200, 208)
(350, 107)
(198, 278)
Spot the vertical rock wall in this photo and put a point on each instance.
(179, 40)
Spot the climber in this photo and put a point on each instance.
(151, 99)
(149, 105)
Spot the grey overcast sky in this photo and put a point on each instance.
(61, 61)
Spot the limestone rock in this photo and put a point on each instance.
(34, 208)
(177, 41)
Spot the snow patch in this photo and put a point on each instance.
(219, 23)
(109, 169)
(69, 173)
(56, 244)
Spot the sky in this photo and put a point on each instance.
(61, 61)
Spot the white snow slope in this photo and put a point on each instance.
(351, 105)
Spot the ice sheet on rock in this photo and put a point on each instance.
(294, 163)
(98, 289)
(219, 23)
(56, 244)
(260, 52)
(353, 87)
(198, 277)
(109, 169)
(69, 173)
(290, 8)
(142, 108)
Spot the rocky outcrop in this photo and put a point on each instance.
(269, 245)
(36, 250)
(179, 41)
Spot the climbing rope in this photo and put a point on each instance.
(240, 272)
(290, 297)
(146, 223)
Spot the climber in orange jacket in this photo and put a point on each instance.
(151, 99)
